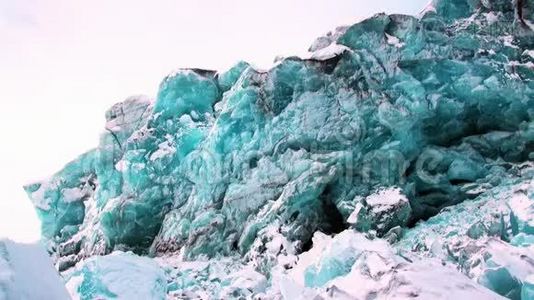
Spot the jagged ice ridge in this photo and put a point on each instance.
(394, 162)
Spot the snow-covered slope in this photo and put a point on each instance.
(27, 273)
(118, 276)
(350, 266)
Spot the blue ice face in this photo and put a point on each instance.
(438, 107)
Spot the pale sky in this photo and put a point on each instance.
(64, 62)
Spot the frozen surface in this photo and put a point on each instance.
(118, 275)
(27, 273)
(489, 239)
(350, 266)
(399, 152)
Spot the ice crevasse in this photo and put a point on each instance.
(396, 161)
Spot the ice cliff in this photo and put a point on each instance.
(394, 162)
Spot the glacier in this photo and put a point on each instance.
(394, 161)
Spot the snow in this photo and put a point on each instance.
(180, 71)
(428, 8)
(490, 51)
(26, 272)
(353, 218)
(385, 199)
(516, 260)
(523, 208)
(528, 53)
(246, 278)
(376, 272)
(73, 194)
(328, 52)
(491, 18)
(394, 41)
(121, 165)
(328, 39)
(164, 149)
(432, 280)
(125, 275)
(38, 197)
(515, 63)
(507, 40)
(325, 51)
(320, 242)
(275, 244)
(125, 114)
(73, 285)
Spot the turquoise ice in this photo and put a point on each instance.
(417, 131)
